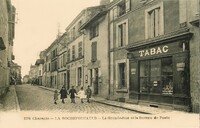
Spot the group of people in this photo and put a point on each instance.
(72, 92)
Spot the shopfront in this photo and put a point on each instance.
(159, 73)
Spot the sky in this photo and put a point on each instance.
(37, 24)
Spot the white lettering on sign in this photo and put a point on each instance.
(154, 51)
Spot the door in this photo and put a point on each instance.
(96, 77)
(133, 89)
(68, 79)
(64, 79)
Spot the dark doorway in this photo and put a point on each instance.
(68, 79)
(96, 72)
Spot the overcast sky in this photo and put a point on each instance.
(37, 25)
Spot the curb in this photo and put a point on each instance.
(130, 109)
(50, 89)
(16, 99)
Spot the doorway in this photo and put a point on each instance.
(96, 78)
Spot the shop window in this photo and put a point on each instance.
(156, 76)
(121, 79)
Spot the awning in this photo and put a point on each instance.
(2, 45)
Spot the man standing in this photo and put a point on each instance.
(72, 93)
(88, 93)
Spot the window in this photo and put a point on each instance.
(156, 76)
(94, 52)
(121, 79)
(122, 8)
(53, 53)
(68, 55)
(61, 62)
(80, 49)
(154, 21)
(64, 59)
(79, 75)
(73, 52)
(49, 66)
(122, 34)
(94, 31)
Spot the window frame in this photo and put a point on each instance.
(118, 42)
(126, 73)
(160, 19)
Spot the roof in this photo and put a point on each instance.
(39, 61)
(94, 18)
(81, 13)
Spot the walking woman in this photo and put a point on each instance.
(63, 94)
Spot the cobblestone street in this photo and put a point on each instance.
(35, 98)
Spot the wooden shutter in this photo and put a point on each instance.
(94, 51)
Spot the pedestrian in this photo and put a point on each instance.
(63, 94)
(88, 93)
(55, 96)
(72, 93)
(81, 94)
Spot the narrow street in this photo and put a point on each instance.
(34, 98)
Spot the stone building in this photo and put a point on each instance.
(7, 24)
(153, 52)
(96, 55)
(62, 58)
(75, 44)
(33, 74)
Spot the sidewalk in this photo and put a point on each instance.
(133, 107)
(10, 101)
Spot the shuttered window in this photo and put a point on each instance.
(94, 52)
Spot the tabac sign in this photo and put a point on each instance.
(154, 51)
(158, 50)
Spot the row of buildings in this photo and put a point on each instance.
(136, 51)
(10, 72)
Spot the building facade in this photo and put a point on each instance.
(151, 53)
(76, 45)
(7, 23)
(136, 51)
(62, 58)
(96, 55)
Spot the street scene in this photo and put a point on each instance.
(100, 57)
(34, 98)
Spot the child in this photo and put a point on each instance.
(55, 96)
(72, 93)
(81, 94)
